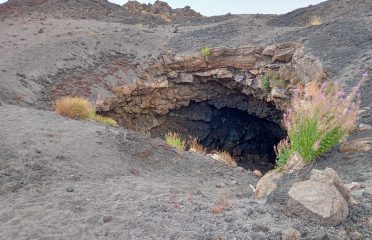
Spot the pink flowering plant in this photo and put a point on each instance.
(318, 122)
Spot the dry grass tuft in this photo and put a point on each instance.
(174, 140)
(80, 108)
(104, 120)
(195, 146)
(315, 21)
(225, 157)
(73, 107)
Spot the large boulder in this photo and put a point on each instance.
(323, 198)
(329, 176)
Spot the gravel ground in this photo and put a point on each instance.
(67, 179)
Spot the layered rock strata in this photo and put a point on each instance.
(226, 77)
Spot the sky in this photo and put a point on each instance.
(220, 7)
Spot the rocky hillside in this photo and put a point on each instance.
(142, 64)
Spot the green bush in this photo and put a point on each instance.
(174, 140)
(276, 81)
(206, 52)
(265, 83)
(317, 124)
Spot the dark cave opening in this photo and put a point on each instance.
(249, 139)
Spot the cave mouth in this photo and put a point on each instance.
(249, 139)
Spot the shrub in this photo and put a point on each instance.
(276, 81)
(195, 146)
(272, 80)
(225, 157)
(317, 124)
(73, 107)
(80, 108)
(103, 120)
(206, 52)
(174, 140)
(265, 83)
(315, 21)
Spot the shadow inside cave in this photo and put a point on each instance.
(249, 139)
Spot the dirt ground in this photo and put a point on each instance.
(68, 179)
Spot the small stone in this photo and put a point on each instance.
(21, 75)
(369, 223)
(291, 234)
(239, 77)
(188, 78)
(363, 127)
(107, 218)
(224, 73)
(269, 51)
(278, 93)
(260, 228)
(357, 145)
(267, 184)
(234, 182)
(356, 236)
(257, 173)
(318, 235)
(341, 235)
(354, 186)
(41, 30)
(172, 74)
(274, 66)
(70, 189)
(240, 169)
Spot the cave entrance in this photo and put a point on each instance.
(249, 139)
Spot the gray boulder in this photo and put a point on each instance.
(323, 198)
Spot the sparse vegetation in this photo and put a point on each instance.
(174, 140)
(265, 83)
(80, 108)
(271, 80)
(103, 120)
(315, 21)
(225, 157)
(317, 123)
(276, 81)
(73, 107)
(206, 52)
(195, 146)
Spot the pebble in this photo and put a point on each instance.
(363, 127)
(369, 223)
(291, 234)
(320, 235)
(354, 186)
(341, 235)
(107, 218)
(70, 189)
(257, 173)
(356, 236)
(240, 169)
